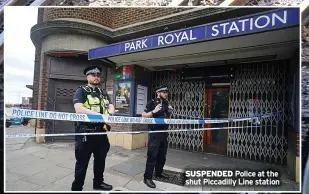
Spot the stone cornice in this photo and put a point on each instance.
(39, 31)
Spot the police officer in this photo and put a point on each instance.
(157, 142)
(91, 99)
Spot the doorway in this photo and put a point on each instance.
(216, 106)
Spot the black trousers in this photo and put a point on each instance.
(156, 154)
(99, 146)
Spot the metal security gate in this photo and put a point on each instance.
(60, 99)
(258, 89)
(188, 101)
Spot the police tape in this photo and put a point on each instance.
(51, 115)
(122, 132)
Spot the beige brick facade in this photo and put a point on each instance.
(110, 17)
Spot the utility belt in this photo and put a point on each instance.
(91, 128)
(159, 127)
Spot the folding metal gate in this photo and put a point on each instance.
(187, 100)
(258, 89)
(255, 89)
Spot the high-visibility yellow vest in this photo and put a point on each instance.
(96, 100)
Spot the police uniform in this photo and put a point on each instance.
(157, 142)
(96, 100)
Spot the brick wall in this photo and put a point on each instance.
(123, 17)
(43, 88)
(110, 77)
(110, 17)
(98, 15)
(128, 127)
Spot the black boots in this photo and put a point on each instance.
(103, 186)
(150, 183)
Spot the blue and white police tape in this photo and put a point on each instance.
(122, 132)
(50, 115)
(256, 116)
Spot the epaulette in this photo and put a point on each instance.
(86, 88)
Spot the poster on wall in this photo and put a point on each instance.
(123, 92)
(141, 99)
(123, 73)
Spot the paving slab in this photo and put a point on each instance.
(15, 141)
(70, 164)
(113, 150)
(23, 152)
(12, 176)
(48, 176)
(56, 187)
(59, 156)
(21, 185)
(110, 162)
(62, 184)
(121, 189)
(10, 147)
(139, 177)
(41, 154)
(22, 161)
(131, 167)
(116, 179)
(195, 166)
(139, 186)
(140, 157)
(176, 163)
(120, 156)
(34, 168)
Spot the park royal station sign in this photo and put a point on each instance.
(271, 20)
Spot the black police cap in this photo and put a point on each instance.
(92, 69)
(161, 88)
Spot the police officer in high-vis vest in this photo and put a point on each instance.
(91, 99)
(157, 142)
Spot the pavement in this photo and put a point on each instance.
(50, 167)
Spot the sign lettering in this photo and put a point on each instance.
(136, 45)
(177, 37)
(261, 22)
(247, 25)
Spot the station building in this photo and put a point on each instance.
(217, 63)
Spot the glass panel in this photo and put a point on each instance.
(220, 106)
